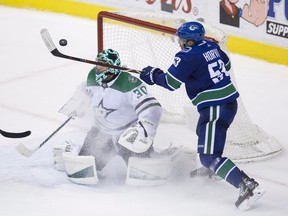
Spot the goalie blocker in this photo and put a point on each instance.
(139, 138)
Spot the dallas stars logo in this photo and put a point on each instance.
(103, 111)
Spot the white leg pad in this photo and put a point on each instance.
(57, 156)
(157, 171)
(80, 169)
(59, 149)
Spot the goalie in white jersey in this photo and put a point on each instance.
(126, 119)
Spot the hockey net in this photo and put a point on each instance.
(144, 39)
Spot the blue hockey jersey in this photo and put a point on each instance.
(203, 69)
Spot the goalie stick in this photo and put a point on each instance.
(53, 49)
(15, 135)
(22, 149)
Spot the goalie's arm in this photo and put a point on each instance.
(139, 138)
(148, 110)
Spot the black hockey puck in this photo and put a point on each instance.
(63, 42)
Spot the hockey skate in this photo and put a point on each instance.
(250, 192)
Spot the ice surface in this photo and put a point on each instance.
(34, 85)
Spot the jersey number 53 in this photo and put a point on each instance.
(217, 71)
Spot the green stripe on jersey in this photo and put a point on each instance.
(225, 168)
(148, 106)
(172, 82)
(126, 82)
(228, 66)
(214, 94)
(91, 78)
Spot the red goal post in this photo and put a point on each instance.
(147, 38)
(137, 22)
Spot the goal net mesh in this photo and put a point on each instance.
(153, 42)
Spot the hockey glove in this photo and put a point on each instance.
(150, 74)
(136, 139)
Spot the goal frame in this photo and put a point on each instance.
(117, 17)
(246, 141)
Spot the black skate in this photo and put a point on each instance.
(250, 192)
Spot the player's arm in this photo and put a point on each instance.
(152, 75)
(225, 59)
(168, 80)
(139, 137)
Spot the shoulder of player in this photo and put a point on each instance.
(198, 49)
(211, 43)
(126, 82)
(91, 78)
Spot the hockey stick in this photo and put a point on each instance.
(15, 135)
(53, 49)
(22, 149)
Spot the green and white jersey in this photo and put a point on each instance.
(120, 103)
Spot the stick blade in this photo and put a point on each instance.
(23, 150)
(47, 39)
(15, 135)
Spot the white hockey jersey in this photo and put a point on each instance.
(118, 104)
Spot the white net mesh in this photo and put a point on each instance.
(139, 47)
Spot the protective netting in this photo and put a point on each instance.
(140, 46)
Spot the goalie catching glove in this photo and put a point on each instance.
(138, 138)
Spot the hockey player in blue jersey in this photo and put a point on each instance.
(203, 68)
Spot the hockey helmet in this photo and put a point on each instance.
(191, 31)
(108, 56)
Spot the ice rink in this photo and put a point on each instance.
(34, 85)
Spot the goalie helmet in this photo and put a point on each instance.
(191, 31)
(108, 56)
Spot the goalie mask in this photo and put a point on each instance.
(108, 56)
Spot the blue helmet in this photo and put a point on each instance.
(191, 31)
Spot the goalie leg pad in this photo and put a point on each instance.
(59, 149)
(159, 170)
(80, 169)
(57, 156)
(191, 114)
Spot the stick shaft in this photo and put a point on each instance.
(22, 149)
(61, 126)
(53, 49)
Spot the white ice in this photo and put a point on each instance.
(34, 85)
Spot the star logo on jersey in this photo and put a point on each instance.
(103, 111)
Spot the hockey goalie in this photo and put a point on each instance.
(126, 118)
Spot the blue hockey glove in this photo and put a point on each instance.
(149, 74)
